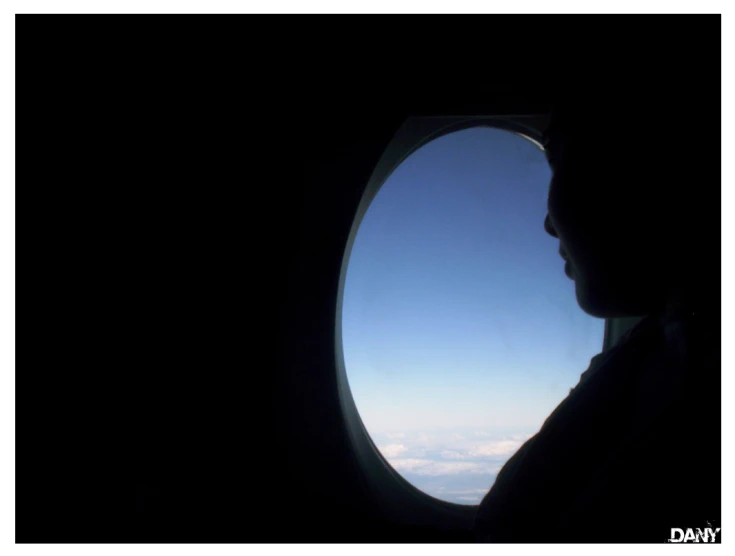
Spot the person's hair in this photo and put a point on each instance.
(642, 140)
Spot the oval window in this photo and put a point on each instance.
(461, 332)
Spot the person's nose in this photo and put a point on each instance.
(548, 226)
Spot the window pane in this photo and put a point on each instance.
(461, 331)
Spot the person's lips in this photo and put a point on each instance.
(568, 270)
(567, 264)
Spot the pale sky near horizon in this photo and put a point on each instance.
(457, 312)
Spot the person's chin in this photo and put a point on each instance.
(608, 301)
(586, 299)
(593, 302)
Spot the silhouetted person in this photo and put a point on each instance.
(634, 450)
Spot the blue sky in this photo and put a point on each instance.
(458, 319)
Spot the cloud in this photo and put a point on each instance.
(427, 447)
(480, 491)
(424, 437)
(392, 450)
(436, 468)
(409, 464)
(497, 448)
(456, 465)
(452, 454)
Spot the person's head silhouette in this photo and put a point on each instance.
(623, 193)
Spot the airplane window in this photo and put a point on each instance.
(461, 332)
